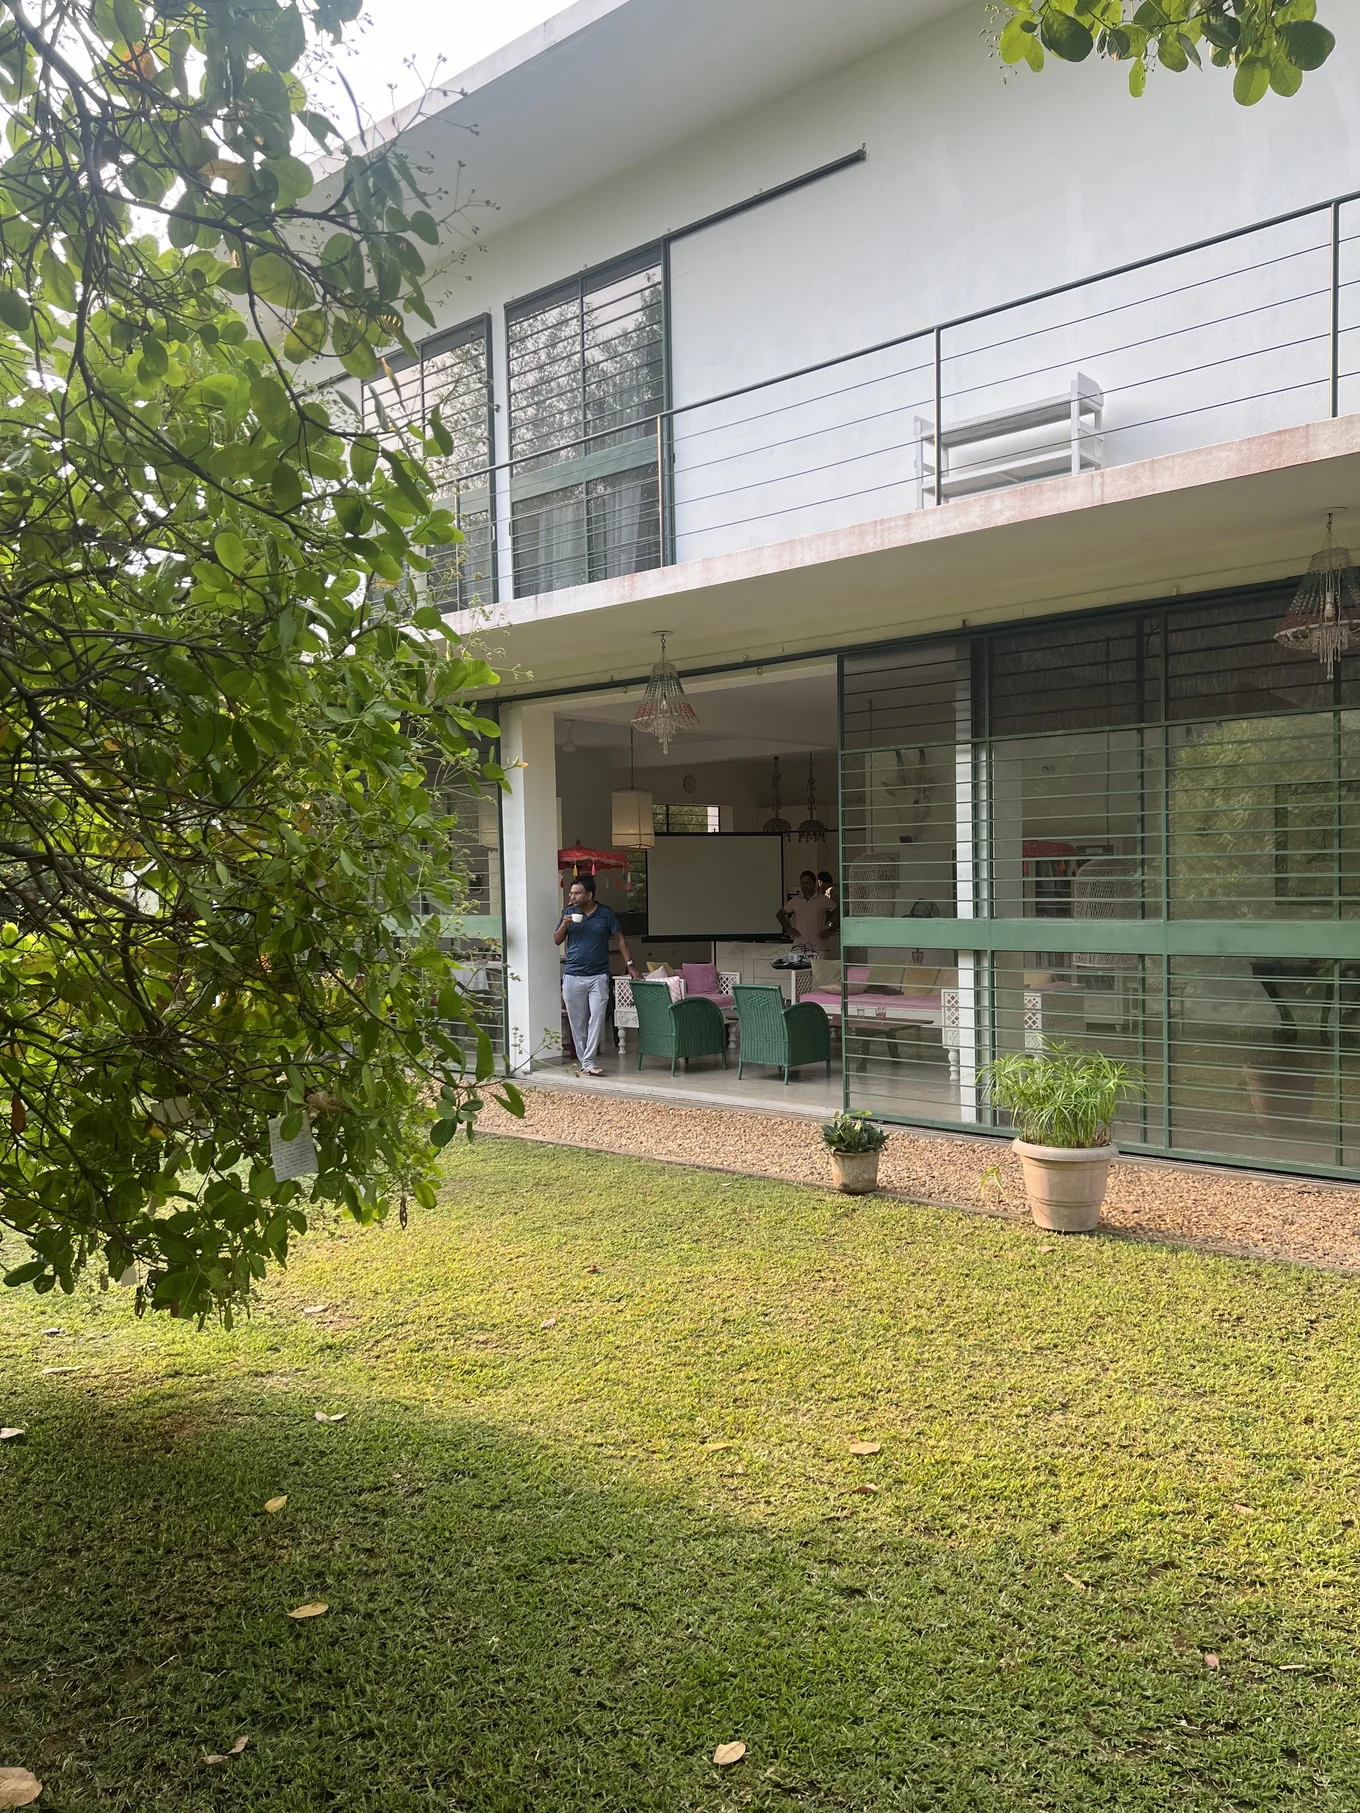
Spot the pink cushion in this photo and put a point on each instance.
(857, 972)
(700, 978)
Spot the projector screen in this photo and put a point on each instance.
(715, 886)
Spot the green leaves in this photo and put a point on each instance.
(221, 923)
(231, 552)
(1268, 44)
(293, 177)
(1065, 36)
(279, 280)
(15, 312)
(1251, 81)
(1307, 44)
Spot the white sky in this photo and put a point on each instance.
(400, 47)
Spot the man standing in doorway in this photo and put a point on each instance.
(586, 928)
(809, 919)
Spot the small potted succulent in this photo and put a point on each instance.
(854, 1143)
(1062, 1104)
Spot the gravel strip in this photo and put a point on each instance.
(1278, 1218)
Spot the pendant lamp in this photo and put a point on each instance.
(665, 711)
(812, 830)
(631, 810)
(1324, 618)
(776, 825)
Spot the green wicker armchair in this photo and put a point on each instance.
(677, 1029)
(773, 1033)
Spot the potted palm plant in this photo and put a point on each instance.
(1062, 1104)
(854, 1143)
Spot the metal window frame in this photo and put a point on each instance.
(1156, 942)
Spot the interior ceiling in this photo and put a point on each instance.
(741, 718)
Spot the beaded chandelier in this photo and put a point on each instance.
(665, 711)
(1324, 618)
(776, 825)
(812, 830)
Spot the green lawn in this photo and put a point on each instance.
(549, 1589)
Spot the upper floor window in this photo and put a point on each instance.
(587, 384)
(452, 374)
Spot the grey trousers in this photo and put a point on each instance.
(586, 999)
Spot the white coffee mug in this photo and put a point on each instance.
(578, 918)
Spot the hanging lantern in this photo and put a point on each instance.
(1324, 618)
(776, 825)
(634, 826)
(665, 711)
(812, 830)
(632, 820)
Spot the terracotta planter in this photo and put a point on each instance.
(1065, 1185)
(1280, 1094)
(856, 1173)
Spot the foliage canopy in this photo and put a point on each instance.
(1270, 45)
(229, 730)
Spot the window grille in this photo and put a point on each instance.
(587, 384)
(1135, 832)
(453, 375)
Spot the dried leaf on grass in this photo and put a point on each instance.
(226, 1756)
(316, 1610)
(18, 1788)
(54, 1372)
(12, 1435)
(276, 1504)
(54, 1331)
(866, 1447)
(1210, 1659)
(865, 1489)
(1073, 1581)
(1245, 1510)
(339, 1416)
(548, 1322)
(727, 1754)
(592, 1269)
(316, 1309)
(716, 1447)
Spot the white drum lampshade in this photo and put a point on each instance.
(632, 820)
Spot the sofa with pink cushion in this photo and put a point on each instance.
(878, 990)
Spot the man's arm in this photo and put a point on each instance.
(563, 927)
(623, 950)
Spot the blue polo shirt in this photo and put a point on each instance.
(587, 945)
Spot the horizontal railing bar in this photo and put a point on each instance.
(671, 412)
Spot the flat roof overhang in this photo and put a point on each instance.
(1241, 513)
(604, 85)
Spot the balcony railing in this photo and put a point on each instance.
(1236, 335)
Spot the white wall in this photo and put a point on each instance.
(976, 191)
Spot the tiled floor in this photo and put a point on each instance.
(704, 1083)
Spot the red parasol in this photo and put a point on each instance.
(591, 861)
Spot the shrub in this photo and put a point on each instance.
(1060, 1097)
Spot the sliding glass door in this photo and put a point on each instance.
(1138, 833)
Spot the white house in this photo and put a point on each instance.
(969, 435)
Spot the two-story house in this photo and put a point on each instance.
(969, 435)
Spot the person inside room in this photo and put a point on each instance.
(808, 917)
